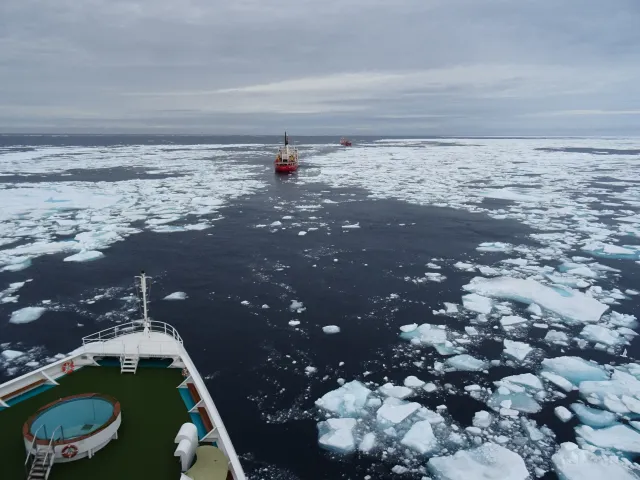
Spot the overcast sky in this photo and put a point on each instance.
(432, 67)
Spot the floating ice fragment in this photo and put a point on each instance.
(593, 417)
(489, 461)
(466, 363)
(563, 414)
(85, 256)
(556, 336)
(519, 401)
(294, 323)
(336, 434)
(477, 303)
(481, 419)
(277, 223)
(176, 296)
(430, 387)
(331, 329)
(349, 400)
(413, 382)
(512, 320)
(399, 469)
(600, 334)
(302, 233)
(297, 306)
(11, 354)
(427, 334)
(368, 442)
(525, 379)
(26, 315)
(569, 304)
(494, 247)
(600, 249)
(409, 328)
(616, 438)
(351, 226)
(534, 309)
(574, 369)
(420, 437)
(469, 267)
(573, 463)
(516, 350)
(391, 390)
(394, 412)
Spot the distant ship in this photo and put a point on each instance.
(287, 158)
(135, 375)
(345, 142)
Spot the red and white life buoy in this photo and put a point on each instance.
(69, 451)
(68, 367)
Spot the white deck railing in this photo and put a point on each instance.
(131, 327)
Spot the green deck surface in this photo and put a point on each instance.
(152, 413)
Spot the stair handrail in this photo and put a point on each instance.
(35, 437)
(50, 446)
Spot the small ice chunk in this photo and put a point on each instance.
(297, 306)
(520, 401)
(494, 247)
(516, 350)
(512, 320)
(451, 307)
(85, 256)
(302, 233)
(392, 413)
(336, 434)
(481, 419)
(294, 323)
(600, 334)
(557, 380)
(525, 379)
(10, 355)
(427, 334)
(617, 437)
(349, 400)
(469, 267)
(477, 303)
(593, 417)
(489, 461)
(277, 223)
(176, 296)
(27, 315)
(265, 306)
(399, 469)
(556, 336)
(466, 363)
(573, 463)
(409, 328)
(430, 387)
(351, 226)
(391, 390)
(413, 382)
(368, 442)
(309, 370)
(331, 329)
(420, 437)
(574, 369)
(471, 331)
(562, 413)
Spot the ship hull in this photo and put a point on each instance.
(286, 168)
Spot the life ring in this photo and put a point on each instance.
(185, 372)
(68, 367)
(69, 451)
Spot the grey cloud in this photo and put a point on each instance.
(409, 66)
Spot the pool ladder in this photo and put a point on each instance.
(43, 459)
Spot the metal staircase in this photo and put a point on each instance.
(129, 363)
(38, 465)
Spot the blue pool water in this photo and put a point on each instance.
(77, 417)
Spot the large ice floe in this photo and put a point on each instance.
(178, 191)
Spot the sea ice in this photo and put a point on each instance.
(593, 417)
(477, 303)
(302, 233)
(176, 296)
(466, 363)
(331, 329)
(11, 354)
(562, 413)
(600, 334)
(413, 382)
(556, 336)
(336, 434)
(481, 419)
(534, 309)
(489, 461)
(85, 256)
(512, 320)
(527, 380)
(348, 401)
(420, 437)
(574, 463)
(394, 411)
(569, 304)
(574, 369)
(494, 247)
(26, 315)
(427, 334)
(391, 390)
(368, 442)
(616, 438)
(515, 401)
(516, 350)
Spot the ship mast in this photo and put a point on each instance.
(286, 143)
(145, 313)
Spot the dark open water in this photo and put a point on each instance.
(246, 353)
